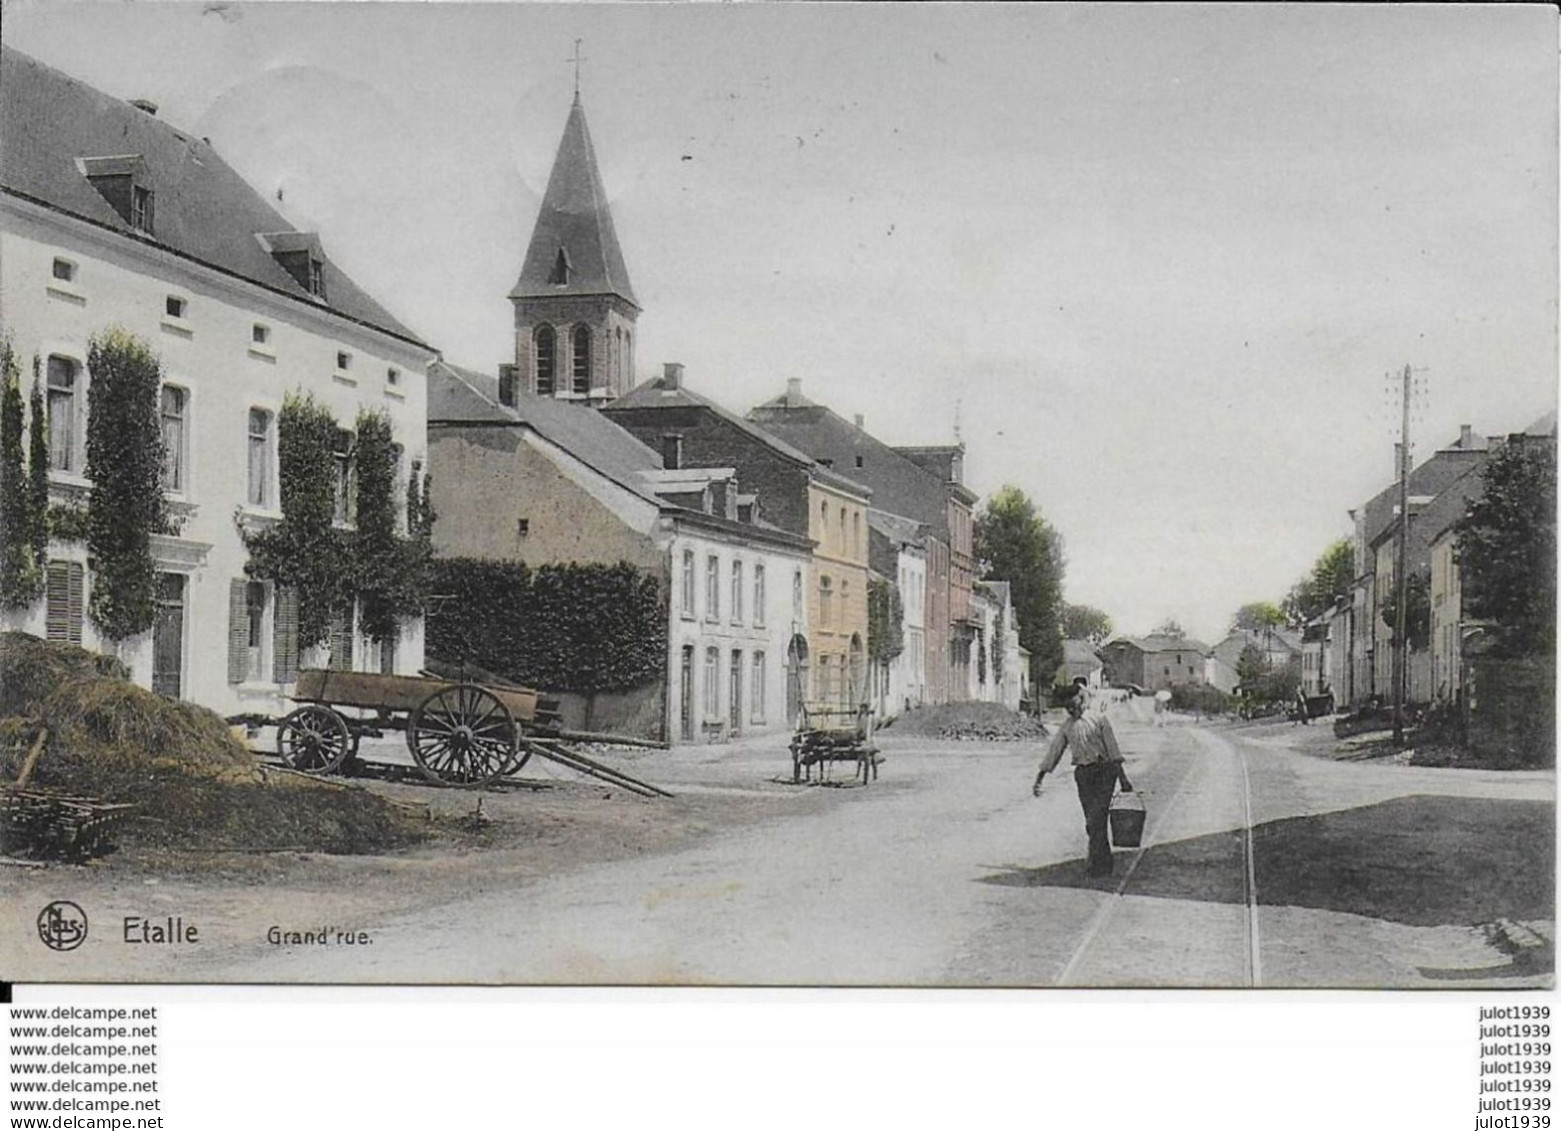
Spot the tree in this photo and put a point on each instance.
(1251, 667)
(1013, 543)
(1083, 622)
(1171, 627)
(1330, 578)
(1257, 615)
(125, 463)
(1507, 548)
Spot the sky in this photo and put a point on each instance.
(1151, 264)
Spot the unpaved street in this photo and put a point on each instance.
(946, 872)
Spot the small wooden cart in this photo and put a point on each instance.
(829, 733)
(458, 733)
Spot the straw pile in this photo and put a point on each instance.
(194, 783)
(981, 722)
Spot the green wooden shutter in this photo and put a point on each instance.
(238, 630)
(284, 649)
(341, 640)
(57, 602)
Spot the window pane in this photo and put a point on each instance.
(173, 438)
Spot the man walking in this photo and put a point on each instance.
(1097, 767)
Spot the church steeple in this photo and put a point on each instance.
(574, 306)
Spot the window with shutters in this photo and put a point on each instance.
(284, 638)
(341, 457)
(254, 631)
(546, 345)
(758, 594)
(712, 588)
(734, 703)
(64, 408)
(712, 684)
(580, 356)
(688, 585)
(259, 493)
(387, 653)
(737, 592)
(172, 409)
(65, 603)
(341, 641)
(756, 689)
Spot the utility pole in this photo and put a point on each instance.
(1400, 578)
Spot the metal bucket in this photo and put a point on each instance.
(1126, 817)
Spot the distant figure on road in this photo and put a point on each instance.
(1303, 713)
(1097, 767)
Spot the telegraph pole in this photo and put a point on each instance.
(1400, 578)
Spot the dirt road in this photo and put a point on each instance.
(947, 872)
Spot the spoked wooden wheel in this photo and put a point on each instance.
(314, 739)
(462, 735)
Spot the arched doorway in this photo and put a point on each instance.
(796, 678)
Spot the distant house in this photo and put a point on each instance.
(897, 555)
(1079, 661)
(922, 484)
(1317, 656)
(1366, 674)
(828, 665)
(1154, 663)
(1279, 647)
(994, 675)
(541, 480)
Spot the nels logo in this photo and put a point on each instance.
(62, 925)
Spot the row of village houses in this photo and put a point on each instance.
(1346, 652)
(765, 529)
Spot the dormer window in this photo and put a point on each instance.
(298, 253)
(560, 274)
(125, 183)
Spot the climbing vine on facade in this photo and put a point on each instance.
(584, 628)
(331, 566)
(21, 568)
(38, 470)
(124, 461)
(885, 621)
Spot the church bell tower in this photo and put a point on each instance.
(574, 307)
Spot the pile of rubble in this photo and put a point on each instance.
(968, 722)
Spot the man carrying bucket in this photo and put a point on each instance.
(1097, 767)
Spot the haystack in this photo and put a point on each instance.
(194, 784)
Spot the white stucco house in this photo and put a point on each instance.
(112, 217)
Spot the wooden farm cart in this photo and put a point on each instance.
(827, 734)
(458, 732)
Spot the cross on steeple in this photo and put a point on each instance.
(577, 59)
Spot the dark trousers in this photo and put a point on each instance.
(1096, 784)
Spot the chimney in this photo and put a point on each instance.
(672, 375)
(793, 390)
(145, 106)
(859, 424)
(1465, 437)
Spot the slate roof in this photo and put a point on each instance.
(1155, 643)
(656, 393)
(204, 211)
(1430, 479)
(574, 218)
(900, 485)
(896, 528)
(1080, 652)
(459, 396)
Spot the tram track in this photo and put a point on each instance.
(1110, 908)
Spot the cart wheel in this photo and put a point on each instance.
(314, 739)
(463, 735)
